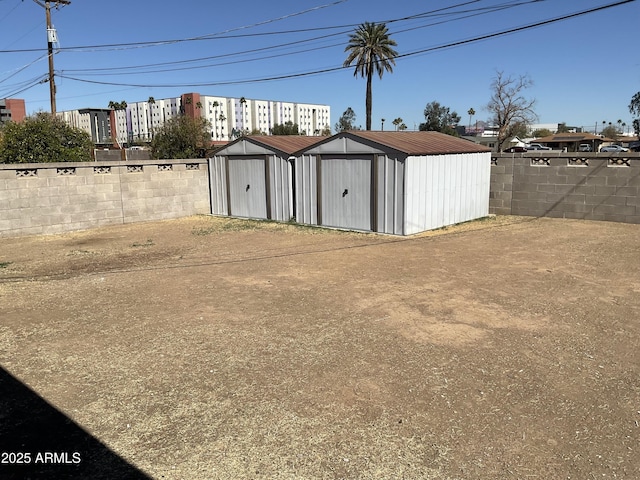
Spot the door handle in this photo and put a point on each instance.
(346, 192)
(247, 189)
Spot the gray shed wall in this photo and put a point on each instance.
(375, 200)
(402, 196)
(390, 199)
(306, 191)
(230, 175)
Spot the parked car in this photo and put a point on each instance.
(537, 146)
(585, 147)
(614, 148)
(515, 150)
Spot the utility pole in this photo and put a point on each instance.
(51, 39)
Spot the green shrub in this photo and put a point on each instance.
(43, 138)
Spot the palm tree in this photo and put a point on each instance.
(370, 47)
(397, 122)
(243, 103)
(382, 121)
(471, 112)
(151, 102)
(118, 105)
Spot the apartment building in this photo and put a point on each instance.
(229, 117)
(12, 109)
(95, 121)
(142, 119)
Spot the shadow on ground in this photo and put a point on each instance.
(48, 443)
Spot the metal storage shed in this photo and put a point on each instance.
(252, 176)
(399, 183)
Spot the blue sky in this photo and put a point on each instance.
(585, 69)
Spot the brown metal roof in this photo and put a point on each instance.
(420, 143)
(285, 143)
(570, 137)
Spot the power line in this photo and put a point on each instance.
(224, 35)
(210, 36)
(9, 12)
(138, 68)
(338, 68)
(26, 86)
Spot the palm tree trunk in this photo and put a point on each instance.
(368, 100)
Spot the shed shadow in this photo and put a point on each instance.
(57, 447)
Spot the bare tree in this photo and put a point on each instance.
(634, 109)
(508, 106)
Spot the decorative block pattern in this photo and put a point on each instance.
(540, 162)
(192, 166)
(494, 161)
(576, 185)
(578, 162)
(60, 197)
(619, 162)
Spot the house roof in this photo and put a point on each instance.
(417, 143)
(571, 138)
(287, 144)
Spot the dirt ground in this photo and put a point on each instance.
(211, 348)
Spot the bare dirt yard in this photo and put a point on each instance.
(212, 348)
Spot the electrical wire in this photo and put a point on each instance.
(138, 68)
(223, 35)
(209, 36)
(338, 68)
(9, 12)
(24, 86)
(24, 67)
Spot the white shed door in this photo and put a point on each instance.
(247, 189)
(346, 192)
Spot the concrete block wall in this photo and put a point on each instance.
(501, 185)
(46, 198)
(567, 185)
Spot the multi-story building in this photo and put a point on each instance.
(94, 121)
(311, 119)
(144, 118)
(229, 117)
(12, 109)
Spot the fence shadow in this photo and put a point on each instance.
(57, 447)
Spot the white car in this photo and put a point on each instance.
(614, 148)
(537, 146)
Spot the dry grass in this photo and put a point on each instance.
(214, 348)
